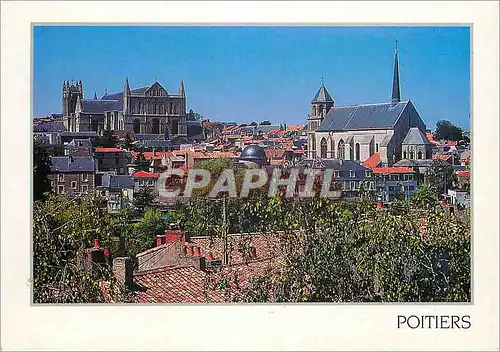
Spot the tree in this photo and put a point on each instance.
(142, 163)
(445, 130)
(128, 142)
(142, 199)
(61, 229)
(440, 176)
(41, 168)
(266, 122)
(107, 140)
(424, 196)
(194, 116)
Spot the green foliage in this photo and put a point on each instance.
(445, 130)
(107, 140)
(142, 163)
(349, 252)
(424, 196)
(41, 168)
(61, 229)
(128, 142)
(440, 176)
(194, 116)
(143, 198)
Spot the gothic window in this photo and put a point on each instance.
(313, 142)
(404, 154)
(411, 154)
(357, 151)
(341, 150)
(155, 126)
(175, 127)
(351, 150)
(419, 155)
(323, 148)
(332, 152)
(137, 126)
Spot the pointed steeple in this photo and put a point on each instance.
(95, 95)
(322, 96)
(127, 87)
(181, 89)
(396, 93)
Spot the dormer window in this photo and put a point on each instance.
(352, 173)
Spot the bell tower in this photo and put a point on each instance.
(320, 105)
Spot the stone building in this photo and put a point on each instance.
(146, 110)
(356, 132)
(72, 175)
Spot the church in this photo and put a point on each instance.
(394, 129)
(144, 110)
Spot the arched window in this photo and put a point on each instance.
(332, 152)
(404, 154)
(357, 151)
(155, 126)
(323, 148)
(137, 126)
(175, 127)
(419, 154)
(412, 155)
(351, 150)
(341, 150)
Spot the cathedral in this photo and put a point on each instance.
(144, 110)
(356, 132)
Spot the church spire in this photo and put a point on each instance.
(396, 93)
(181, 89)
(95, 95)
(126, 90)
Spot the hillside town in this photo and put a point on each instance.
(116, 147)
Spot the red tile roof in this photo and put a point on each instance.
(463, 173)
(275, 153)
(392, 170)
(108, 150)
(442, 156)
(145, 174)
(372, 161)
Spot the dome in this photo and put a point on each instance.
(254, 153)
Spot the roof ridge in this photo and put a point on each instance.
(370, 104)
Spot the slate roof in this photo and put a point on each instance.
(416, 137)
(88, 134)
(91, 106)
(322, 96)
(52, 126)
(117, 181)
(362, 117)
(415, 163)
(72, 164)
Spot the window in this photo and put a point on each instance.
(372, 185)
(411, 188)
(341, 150)
(336, 173)
(368, 174)
(60, 189)
(73, 184)
(353, 185)
(313, 142)
(60, 177)
(404, 154)
(357, 151)
(85, 188)
(150, 182)
(323, 148)
(376, 147)
(352, 173)
(85, 177)
(419, 155)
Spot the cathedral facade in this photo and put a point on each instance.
(144, 110)
(356, 132)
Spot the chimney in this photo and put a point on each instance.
(160, 239)
(196, 251)
(123, 270)
(189, 247)
(172, 236)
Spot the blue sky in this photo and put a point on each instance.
(248, 74)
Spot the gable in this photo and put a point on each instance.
(156, 90)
